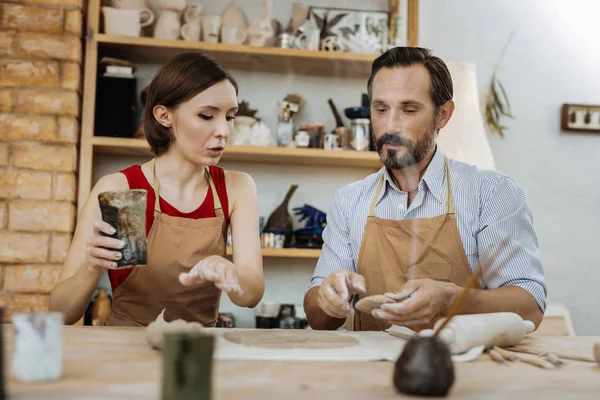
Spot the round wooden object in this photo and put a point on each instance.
(369, 303)
(291, 339)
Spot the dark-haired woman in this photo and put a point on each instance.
(189, 114)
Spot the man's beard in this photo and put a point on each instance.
(415, 151)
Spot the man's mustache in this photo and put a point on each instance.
(394, 139)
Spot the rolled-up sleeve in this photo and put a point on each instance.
(336, 253)
(507, 243)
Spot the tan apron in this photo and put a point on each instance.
(174, 245)
(393, 252)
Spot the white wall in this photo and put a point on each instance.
(551, 61)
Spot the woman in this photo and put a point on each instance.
(188, 118)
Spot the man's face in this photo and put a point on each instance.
(403, 115)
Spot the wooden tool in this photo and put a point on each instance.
(496, 356)
(505, 354)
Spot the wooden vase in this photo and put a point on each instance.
(280, 219)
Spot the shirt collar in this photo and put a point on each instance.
(434, 177)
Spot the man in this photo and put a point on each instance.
(422, 225)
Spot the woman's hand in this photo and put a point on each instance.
(102, 251)
(215, 269)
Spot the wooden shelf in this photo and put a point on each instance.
(287, 253)
(244, 57)
(265, 155)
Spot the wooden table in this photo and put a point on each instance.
(116, 363)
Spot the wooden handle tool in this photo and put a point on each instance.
(496, 356)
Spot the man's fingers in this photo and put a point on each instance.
(409, 306)
(330, 309)
(331, 296)
(402, 294)
(357, 283)
(339, 284)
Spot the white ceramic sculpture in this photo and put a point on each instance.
(262, 30)
(168, 25)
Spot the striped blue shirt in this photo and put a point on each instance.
(490, 209)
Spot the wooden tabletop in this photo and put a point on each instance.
(116, 363)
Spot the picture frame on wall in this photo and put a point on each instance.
(580, 118)
(359, 31)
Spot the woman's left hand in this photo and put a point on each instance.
(215, 269)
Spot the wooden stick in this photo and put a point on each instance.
(537, 361)
(561, 355)
(401, 335)
(505, 354)
(496, 356)
(554, 359)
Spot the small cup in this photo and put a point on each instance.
(232, 35)
(210, 28)
(190, 31)
(38, 348)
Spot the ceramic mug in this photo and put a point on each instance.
(129, 4)
(210, 28)
(190, 31)
(232, 35)
(126, 22)
(331, 142)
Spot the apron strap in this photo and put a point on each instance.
(449, 199)
(155, 186)
(216, 200)
(379, 186)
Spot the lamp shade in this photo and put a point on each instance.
(464, 137)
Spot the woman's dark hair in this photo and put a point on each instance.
(179, 80)
(441, 89)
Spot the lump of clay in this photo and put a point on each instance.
(155, 330)
(424, 368)
(370, 303)
(464, 332)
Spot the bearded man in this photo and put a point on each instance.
(418, 229)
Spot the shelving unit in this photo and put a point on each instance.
(249, 58)
(288, 253)
(266, 155)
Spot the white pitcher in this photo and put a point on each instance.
(124, 22)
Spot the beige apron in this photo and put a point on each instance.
(174, 245)
(393, 252)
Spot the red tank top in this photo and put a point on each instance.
(137, 180)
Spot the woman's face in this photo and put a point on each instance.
(202, 125)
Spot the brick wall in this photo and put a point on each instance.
(40, 77)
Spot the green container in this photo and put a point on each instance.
(187, 366)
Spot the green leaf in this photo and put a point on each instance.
(504, 95)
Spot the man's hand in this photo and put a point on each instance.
(335, 291)
(429, 302)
